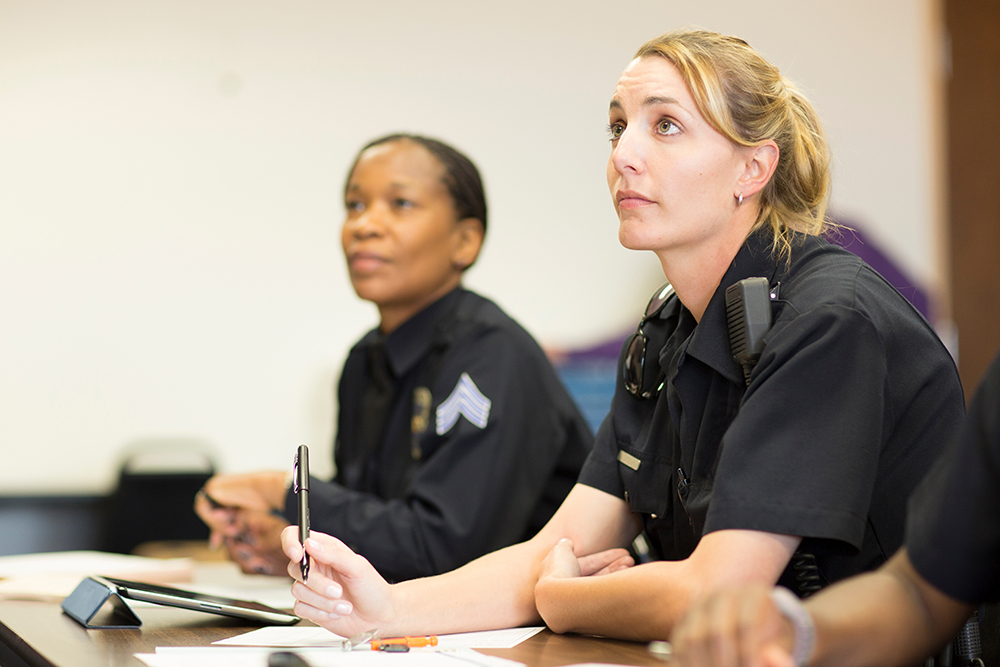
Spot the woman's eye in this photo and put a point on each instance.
(666, 127)
(615, 130)
(354, 206)
(402, 203)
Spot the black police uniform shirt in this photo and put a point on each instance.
(493, 454)
(953, 529)
(849, 404)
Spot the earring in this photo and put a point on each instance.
(739, 199)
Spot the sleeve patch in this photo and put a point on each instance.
(465, 399)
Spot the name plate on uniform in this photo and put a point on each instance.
(628, 459)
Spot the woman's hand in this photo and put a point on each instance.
(261, 491)
(239, 511)
(735, 628)
(562, 563)
(343, 593)
(256, 548)
(558, 572)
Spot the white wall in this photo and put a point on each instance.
(170, 176)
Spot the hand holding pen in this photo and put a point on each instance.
(345, 594)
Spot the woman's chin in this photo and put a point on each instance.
(371, 290)
(630, 240)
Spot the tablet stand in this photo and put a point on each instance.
(96, 605)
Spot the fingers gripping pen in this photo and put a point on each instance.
(301, 475)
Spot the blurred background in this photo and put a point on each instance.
(170, 199)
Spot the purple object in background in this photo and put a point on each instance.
(851, 238)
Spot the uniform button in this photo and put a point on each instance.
(652, 516)
(626, 496)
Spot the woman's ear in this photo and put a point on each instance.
(469, 234)
(761, 162)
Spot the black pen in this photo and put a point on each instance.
(301, 474)
(286, 659)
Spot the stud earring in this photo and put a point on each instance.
(739, 199)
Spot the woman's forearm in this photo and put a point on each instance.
(346, 595)
(498, 589)
(641, 603)
(645, 602)
(892, 616)
(493, 591)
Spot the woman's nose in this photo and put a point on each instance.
(626, 154)
(370, 222)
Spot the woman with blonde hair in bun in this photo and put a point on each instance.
(794, 468)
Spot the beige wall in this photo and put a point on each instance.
(170, 175)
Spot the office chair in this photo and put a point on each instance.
(153, 501)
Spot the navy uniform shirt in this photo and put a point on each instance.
(953, 530)
(499, 444)
(851, 401)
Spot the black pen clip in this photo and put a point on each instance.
(295, 475)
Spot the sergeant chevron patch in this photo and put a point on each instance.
(465, 399)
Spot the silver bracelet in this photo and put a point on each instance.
(802, 624)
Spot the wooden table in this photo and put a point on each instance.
(40, 635)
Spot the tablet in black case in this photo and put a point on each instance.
(90, 590)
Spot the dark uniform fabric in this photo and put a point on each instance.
(847, 408)
(953, 530)
(421, 504)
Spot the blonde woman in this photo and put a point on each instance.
(720, 168)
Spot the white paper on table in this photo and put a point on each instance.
(54, 575)
(303, 636)
(506, 638)
(232, 656)
(284, 637)
(94, 562)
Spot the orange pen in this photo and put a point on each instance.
(412, 642)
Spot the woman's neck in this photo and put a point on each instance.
(392, 316)
(696, 273)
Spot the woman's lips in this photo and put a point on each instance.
(629, 199)
(363, 262)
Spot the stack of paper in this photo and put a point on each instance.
(304, 636)
(232, 656)
(320, 648)
(53, 576)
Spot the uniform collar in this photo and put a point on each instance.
(411, 341)
(710, 340)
